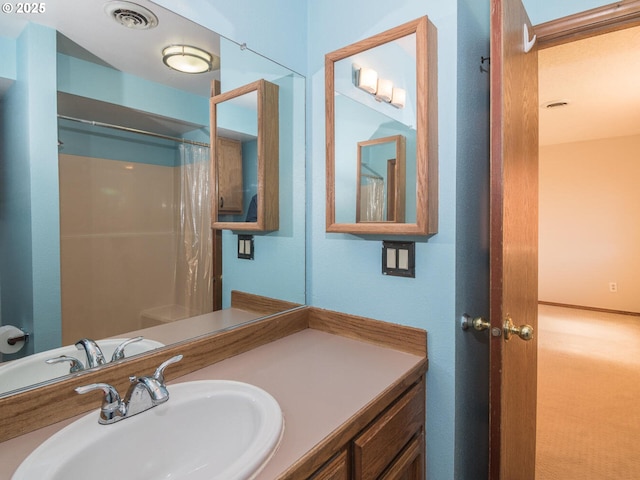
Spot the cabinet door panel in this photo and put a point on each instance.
(229, 153)
(379, 444)
(410, 464)
(336, 469)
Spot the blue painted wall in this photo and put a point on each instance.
(344, 271)
(106, 84)
(472, 241)
(8, 55)
(99, 142)
(30, 268)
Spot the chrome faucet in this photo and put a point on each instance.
(95, 356)
(143, 394)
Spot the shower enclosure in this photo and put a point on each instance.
(135, 236)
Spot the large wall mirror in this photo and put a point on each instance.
(105, 195)
(381, 96)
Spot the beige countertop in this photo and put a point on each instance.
(192, 327)
(319, 379)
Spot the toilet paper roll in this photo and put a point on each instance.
(7, 332)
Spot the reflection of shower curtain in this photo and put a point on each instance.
(371, 199)
(194, 285)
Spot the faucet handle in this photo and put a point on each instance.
(159, 374)
(112, 405)
(76, 365)
(118, 353)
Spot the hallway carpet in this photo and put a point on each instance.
(588, 395)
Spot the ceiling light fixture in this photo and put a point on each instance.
(188, 59)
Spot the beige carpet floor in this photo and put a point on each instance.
(588, 395)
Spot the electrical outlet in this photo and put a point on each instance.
(613, 287)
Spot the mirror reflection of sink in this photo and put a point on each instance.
(32, 370)
(210, 429)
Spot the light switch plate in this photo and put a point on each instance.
(399, 259)
(245, 247)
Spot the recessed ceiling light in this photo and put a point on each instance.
(188, 59)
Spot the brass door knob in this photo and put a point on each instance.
(480, 324)
(525, 332)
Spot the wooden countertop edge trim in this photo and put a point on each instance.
(339, 438)
(399, 337)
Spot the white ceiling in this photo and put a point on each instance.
(138, 52)
(599, 77)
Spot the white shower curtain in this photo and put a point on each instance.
(371, 199)
(194, 284)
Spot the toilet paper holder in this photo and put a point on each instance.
(19, 338)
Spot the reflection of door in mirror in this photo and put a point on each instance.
(229, 158)
(381, 186)
(245, 132)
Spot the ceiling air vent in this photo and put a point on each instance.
(556, 104)
(131, 15)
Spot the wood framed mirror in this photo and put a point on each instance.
(381, 88)
(381, 184)
(245, 167)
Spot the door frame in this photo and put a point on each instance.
(605, 19)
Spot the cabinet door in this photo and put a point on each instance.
(377, 447)
(335, 469)
(229, 160)
(410, 465)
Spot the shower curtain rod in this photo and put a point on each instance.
(133, 130)
(375, 174)
(374, 177)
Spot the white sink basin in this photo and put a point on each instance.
(33, 370)
(211, 429)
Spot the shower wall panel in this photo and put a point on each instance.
(118, 244)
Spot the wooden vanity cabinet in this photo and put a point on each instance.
(391, 447)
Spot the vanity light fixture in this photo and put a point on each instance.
(399, 97)
(367, 80)
(383, 89)
(188, 59)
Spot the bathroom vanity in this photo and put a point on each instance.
(352, 391)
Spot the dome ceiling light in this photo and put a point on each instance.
(188, 59)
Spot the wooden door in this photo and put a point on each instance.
(229, 167)
(514, 243)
